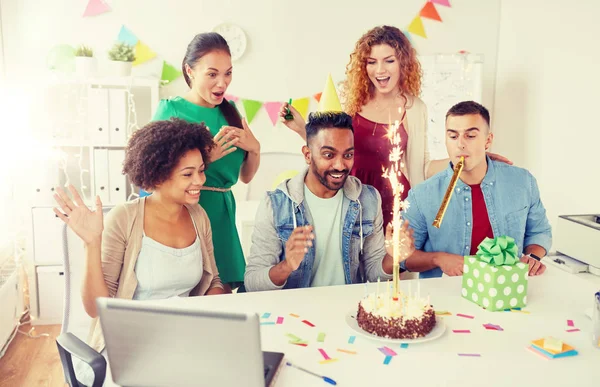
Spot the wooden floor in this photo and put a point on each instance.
(32, 361)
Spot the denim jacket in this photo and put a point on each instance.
(284, 209)
(513, 204)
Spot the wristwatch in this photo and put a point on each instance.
(534, 256)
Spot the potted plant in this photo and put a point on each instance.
(121, 56)
(85, 63)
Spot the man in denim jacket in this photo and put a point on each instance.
(322, 227)
(490, 199)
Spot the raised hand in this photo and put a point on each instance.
(225, 141)
(87, 224)
(297, 246)
(297, 124)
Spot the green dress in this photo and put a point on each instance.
(223, 173)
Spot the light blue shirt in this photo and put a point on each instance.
(513, 204)
(328, 269)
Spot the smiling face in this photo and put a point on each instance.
(383, 68)
(186, 179)
(210, 76)
(330, 155)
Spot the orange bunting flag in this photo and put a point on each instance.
(429, 12)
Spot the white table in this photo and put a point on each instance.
(553, 298)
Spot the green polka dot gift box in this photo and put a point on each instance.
(495, 279)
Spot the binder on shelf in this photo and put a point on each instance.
(98, 122)
(118, 109)
(117, 180)
(47, 236)
(101, 175)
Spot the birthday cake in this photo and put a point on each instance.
(402, 318)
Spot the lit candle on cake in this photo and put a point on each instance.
(393, 174)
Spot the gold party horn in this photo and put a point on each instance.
(437, 222)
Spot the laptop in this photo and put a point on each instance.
(154, 344)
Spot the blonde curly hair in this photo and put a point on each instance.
(358, 88)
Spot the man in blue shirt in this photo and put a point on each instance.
(491, 199)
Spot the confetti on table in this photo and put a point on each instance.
(267, 323)
(573, 330)
(405, 345)
(299, 343)
(351, 339)
(537, 353)
(293, 337)
(325, 355)
(570, 323)
(390, 351)
(442, 313)
(294, 315)
(464, 315)
(321, 337)
(266, 315)
(519, 310)
(461, 331)
(279, 320)
(493, 327)
(470, 354)
(387, 360)
(327, 361)
(382, 350)
(308, 323)
(346, 351)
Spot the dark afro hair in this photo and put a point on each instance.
(153, 151)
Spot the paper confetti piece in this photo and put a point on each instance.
(327, 361)
(346, 351)
(570, 323)
(442, 313)
(293, 337)
(266, 315)
(308, 323)
(279, 320)
(382, 350)
(325, 355)
(387, 360)
(573, 330)
(470, 354)
(390, 351)
(267, 323)
(493, 327)
(461, 331)
(537, 353)
(321, 337)
(465, 315)
(519, 310)
(351, 339)
(294, 315)
(299, 343)
(405, 345)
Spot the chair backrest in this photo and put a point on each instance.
(75, 318)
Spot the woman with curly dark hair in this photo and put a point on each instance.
(207, 70)
(383, 85)
(155, 247)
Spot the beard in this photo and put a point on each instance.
(330, 182)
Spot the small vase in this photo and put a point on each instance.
(86, 66)
(121, 69)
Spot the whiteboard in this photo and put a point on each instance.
(447, 80)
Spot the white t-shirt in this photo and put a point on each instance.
(328, 268)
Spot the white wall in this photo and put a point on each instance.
(546, 105)
(292, 47)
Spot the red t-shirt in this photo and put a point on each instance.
(482, 227)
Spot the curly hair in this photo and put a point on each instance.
(154, 151)
(358, 88)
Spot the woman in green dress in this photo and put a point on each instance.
(207, 70)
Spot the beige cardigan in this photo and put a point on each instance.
(416, 159)
(121, 244)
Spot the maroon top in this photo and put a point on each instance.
(372, 157)
(481, 227)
